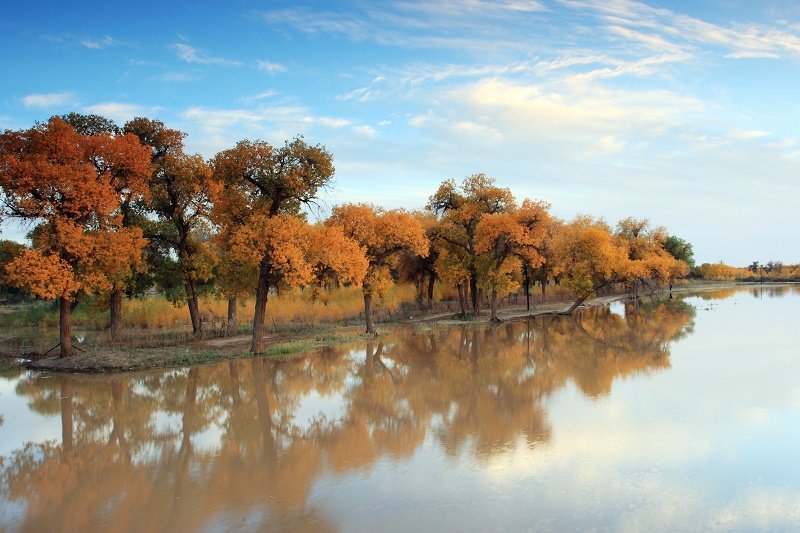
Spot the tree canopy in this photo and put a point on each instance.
(96, 196)
(69, 185)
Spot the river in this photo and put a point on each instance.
(671, 415)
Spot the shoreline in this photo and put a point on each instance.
(121, 359)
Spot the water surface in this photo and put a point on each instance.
(670, 415)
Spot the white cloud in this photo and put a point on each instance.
(260, 96)
(175, 77)
(193, 55)
(48, 100)
(752, 55)
(747, 135)
(744, 40)
(328, 122)
(316, 21)
(272, 68)
(98, 44)
(367, 132)
(121, 112)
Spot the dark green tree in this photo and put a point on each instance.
(680, 249)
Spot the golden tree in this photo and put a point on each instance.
(382, 235)
(108, 151)
(587, 258)
(649, 262)
(260, 183)
(69, 185)
(506, 241)
(460, 209)
(181, 190)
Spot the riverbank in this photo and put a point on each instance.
(127, 359)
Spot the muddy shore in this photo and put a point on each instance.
(126, 359)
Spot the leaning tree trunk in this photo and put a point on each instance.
(368, 313)
(231, 325)
(262, 293)
(65, 326)
(116, 316)
(575, 305)
(478, 302)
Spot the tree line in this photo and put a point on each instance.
(115, 210)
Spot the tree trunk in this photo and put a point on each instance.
(462, 299)
(194, 308)
(231, 326)
(478, 302)
(473, 291)
(262, 293)
(368, 313)
(577, 303)
(494, 305)
(116, 316)
(431, 285)
(65, 327)
(527, 288)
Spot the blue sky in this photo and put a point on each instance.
(685, 113)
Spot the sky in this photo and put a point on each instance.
(682, 112)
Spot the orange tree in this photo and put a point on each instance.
(419, 268)
(68, 184)
(181, 189)
(649, 262)
(587, 258)
(506, 241)
(262, 191)
(460, 209)
(382, 236)
(129, 191)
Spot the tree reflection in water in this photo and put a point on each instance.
(227, 446)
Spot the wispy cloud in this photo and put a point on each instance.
(191, 54)
(363, 94)
(316, 21)
(104, 42)
(436, 24)
(216, 119)
(747, 135)
(121, 112)
(658, 25)
(48, 100)
(328, 122)
(752, 55)
(175, 77)
(272, 68)
(260, 96)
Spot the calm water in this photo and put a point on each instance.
(679, 415)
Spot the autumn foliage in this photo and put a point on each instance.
(71, 186)
(116, 209)
(381, 236)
